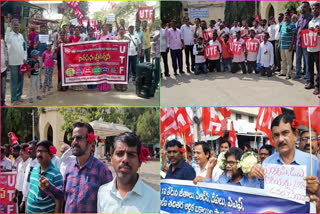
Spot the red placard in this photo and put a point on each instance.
(252, 46)
(309, 38)
(207, 35)
(8, 183)
(235, 48)
(145, 13)
(211, 52)
(95, 62)
(73, 4)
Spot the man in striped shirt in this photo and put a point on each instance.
(38, 201)
(83, 176)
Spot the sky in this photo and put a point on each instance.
(100, 5)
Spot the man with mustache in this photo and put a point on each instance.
(284, 134)
(178, 168)
(38, 201)
(127, 193)
(201, 156)
(83, 176)
(233, 174)
(304, 144)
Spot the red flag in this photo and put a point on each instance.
(13, 138)
(264, 119)
(73, 4)
(257, 18)
(226, 112)
(224, 124)
(188, 137)
(211, 123)
(78, 13)
(302, 116)
(232, 138)
(182, 118)
(168, 125)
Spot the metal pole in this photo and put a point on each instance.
(33, 125)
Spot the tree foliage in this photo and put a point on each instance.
(142, 121)
(171, 10)
(291, 6)
(239, 10)
(19, 121)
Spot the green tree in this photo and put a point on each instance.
(171, 10)
(239, 10)
(18, 121)
(148, 126)
(291, 6)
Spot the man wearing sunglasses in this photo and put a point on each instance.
(304, 144)
(83, 176)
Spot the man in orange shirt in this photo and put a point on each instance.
(226, 53)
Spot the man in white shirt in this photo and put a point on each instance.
(16, 155)
(200, 61)
(256, 27)
(252, 46)
(212, 25)
(214, 63)
(201, 156)
(272, 38)
(4, 68)
(239, 59)
(24, 154)
(277, 42)
(134, 49)
(17, 55)
(26, 180)
(235, 28)
(6, 165)
(66, 158)
(127, 192)
(187, 39)
(265, 56)
(164, 48)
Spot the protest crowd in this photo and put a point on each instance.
(37, 55)
(77, 182)
(238, 165)
(265, 47)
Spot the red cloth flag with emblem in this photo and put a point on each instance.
(188, 137)
(168, 124)
(226, 112)
(264, 119)
(232, 138)
(211, 123)
(13, 138)
(302, 116)
(182, 118)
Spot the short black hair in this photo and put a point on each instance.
(224, 141)
(286, 118)
(45, 143)
(24, 146)
(33, 142)
(173, 143)
(188, 148)
(205, 147)
(281, 14)
(138, 21)
(287, 13)
(307, 130)
(16, 148)
(128, 138)
(83, 124)
(266, 33)
(316, 4)
(305, 2)
(237, 152)
(267, 147)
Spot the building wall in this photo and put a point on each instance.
(216, 8)
(51, 9)
(265, 6)
(53, 118)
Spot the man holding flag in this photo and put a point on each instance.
(284, 134)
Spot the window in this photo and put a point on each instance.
(251, 119)
(238, 116)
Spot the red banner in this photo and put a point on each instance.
(95, 62)
(252, 46)
(235, 48)
(145, 13)
(309, 38)
(78, 13)
(8, 183)
(207, 35)
(73, 4)
(211, 52)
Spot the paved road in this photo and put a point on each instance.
(149, 172)
(87, 97)
(227, 89)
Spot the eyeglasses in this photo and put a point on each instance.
(42, 151)
(304, 139)
(77, 138)
(231, 163)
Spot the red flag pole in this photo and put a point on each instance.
(185, 145)
(310, 141)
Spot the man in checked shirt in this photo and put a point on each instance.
(83, 176)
